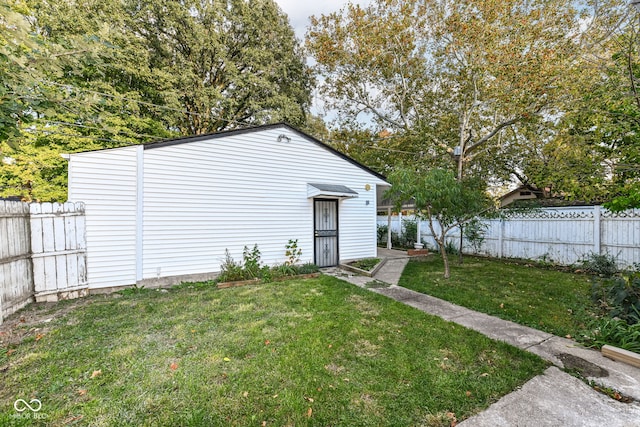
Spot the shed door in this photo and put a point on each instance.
(325, 214)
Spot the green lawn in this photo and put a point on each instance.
(545, 299)
(304, 352)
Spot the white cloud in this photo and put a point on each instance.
(299, 11)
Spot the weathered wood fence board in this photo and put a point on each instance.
(16, 282)
(563, 235)
(58, 250)
(42, 253)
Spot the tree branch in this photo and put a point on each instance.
(491, 134)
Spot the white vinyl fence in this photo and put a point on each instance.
(563, 235)
(42, 253)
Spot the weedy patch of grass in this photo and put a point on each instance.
(303, 352)
(545, 299)
(366, 264)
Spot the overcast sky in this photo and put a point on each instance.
(299, 11)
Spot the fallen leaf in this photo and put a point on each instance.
(245, 394)
(501, 305)
(264, 424)
(568, 336)
(308, 399)
(309, 412)
(96, 373)
(39, 337)
(267, 342)
(193, 331)
(11, 351)
(452, 417)
(82, 392)
(173, 366)
(468, 393)
(617, 396)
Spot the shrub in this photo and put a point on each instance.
(474, 231)
(229, 269)
(251, 268)
(618, 297)
(382, 231)
(308, 268)
(451, 248)
(251, 260)
(600, 264)
(409, 231)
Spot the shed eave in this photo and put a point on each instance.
(331, 191)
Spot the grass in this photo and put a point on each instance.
(546, 299)
(302, 352)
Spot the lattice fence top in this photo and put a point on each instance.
(555, 213)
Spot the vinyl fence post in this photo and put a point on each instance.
(388, 228)
(418, 244)
(500, 238)
(597, 247)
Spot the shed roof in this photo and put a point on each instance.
(215, 135)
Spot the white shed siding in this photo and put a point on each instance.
(106, 182)
(202, 197)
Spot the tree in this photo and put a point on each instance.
(455, 73)
(439, 197)
(156, 69)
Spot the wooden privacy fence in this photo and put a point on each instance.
(562, 235)
(42, 253)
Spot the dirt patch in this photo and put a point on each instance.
(585, 367)
(34, 318)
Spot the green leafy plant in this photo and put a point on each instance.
(382, 232)
(474, 232)
(230, 270)
(600, 264)
(292, 252)
(613, 331)
(366, 264)
(251, 262)
(619, 296)
(308, 268)
(409, 232)
(451, 248)
(285, 269)
(132, 290)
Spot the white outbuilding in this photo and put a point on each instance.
(167, 211)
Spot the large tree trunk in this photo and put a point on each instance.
(445, 258)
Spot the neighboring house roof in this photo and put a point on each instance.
(530, 196)
(523, 192)
(215, 135)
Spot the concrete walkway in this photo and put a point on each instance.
(552, 399)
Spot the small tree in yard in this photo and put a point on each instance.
(439, 196)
